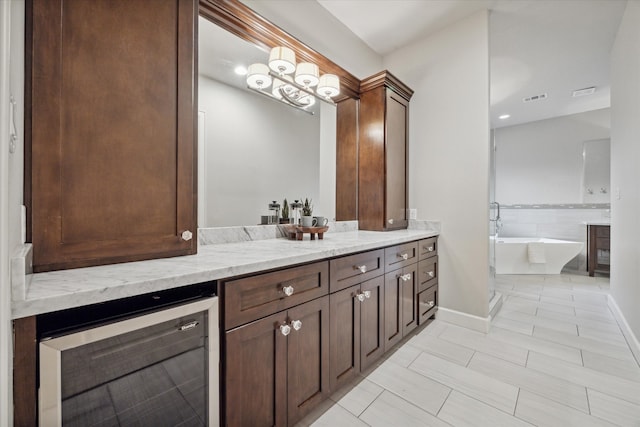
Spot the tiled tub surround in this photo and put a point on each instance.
(563, 222)
(58, 290)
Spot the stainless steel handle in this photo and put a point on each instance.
(431, 303)
(429, 248)
(285, 329)
(367, 294)
(186, 235)
(404, 256)
(360, 297)
(406, 277)
(288, 290)
(362, 268)
(390, 221)
(430, 274)
(297, 324)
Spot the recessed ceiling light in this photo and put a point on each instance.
(240, 70)
(584, 92)
(504, 116)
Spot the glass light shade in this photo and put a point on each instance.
(258, 76)
(307, 99)
(307, 74)
(328, 86)
(282, 60)
(277, 84)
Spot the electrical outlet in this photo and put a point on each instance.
(413, 213)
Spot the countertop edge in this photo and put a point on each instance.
(59, 290)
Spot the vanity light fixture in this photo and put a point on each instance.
(292, 84)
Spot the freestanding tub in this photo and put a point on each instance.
(533, 255)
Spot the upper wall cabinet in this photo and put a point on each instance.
(382, 153)
(112, 93)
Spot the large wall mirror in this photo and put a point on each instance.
(252, 149)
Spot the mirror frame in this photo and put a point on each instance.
(237, 18)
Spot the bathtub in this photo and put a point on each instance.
(515, 255)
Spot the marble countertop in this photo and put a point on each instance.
(598, 222)
(58, 290)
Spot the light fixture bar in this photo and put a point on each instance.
(282, 100)
(302, 88)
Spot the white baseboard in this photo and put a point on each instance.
(477, 323)
(631, 338)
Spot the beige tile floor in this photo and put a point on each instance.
(555, 356)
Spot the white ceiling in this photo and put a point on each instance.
(537, 46)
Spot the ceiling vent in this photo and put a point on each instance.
(535, 98)
(584, 92)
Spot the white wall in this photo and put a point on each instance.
(625, 174)
(11, 183)
(541, 162)
(313, 25)
(258, 150)
(449, 152)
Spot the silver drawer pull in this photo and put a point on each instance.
(403, 256)
(430, 274)
(360, 297)
(288, 290)
(297, 324)
(431, 303)
(406, 277)
(429, 248)
(390, 221)
(189, 325)
(367, 294)
(285, 329)
(362, 268)
(186, 235)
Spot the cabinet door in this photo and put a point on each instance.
(344, 322)
(256, 374)
(372, 322)
(396, 161)
(409, 289)
(308, 357)
(392, 309)
(110, 131)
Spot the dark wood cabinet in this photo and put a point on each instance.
(382, 153)
(400, 302)
(277, 368)
(356, 330)
(598, 248)
(110, 120)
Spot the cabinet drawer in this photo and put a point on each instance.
(427, 273)
(254, 297)
(400, 256)
(353, 269)
(427, 304)
(427, 248)
(602, 231)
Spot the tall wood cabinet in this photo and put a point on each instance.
(111, 98)
(382, 153)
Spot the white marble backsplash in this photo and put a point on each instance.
(252, 233)
(420, 224)
(21, 269)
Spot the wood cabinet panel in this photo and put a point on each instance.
(256, 296)
(427, 273)
(344, 330)
(112, 120)
(372, 322)
(347, 160)
(427, 248)
(427, 304)
(308, 358)
(352, 269)
(256, 374)
(400, 313)
(400, 256)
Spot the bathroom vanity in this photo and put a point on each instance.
(598, 247)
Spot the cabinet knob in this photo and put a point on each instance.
(285, 329)
(297, 324)
(431, 303)
(186, 235)
(362, 268)
(406, 277)
(288, 290)
(360, 297)
(404, 256)
(429, 248)
(390, 221)
(367, 294)
(431, 274)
